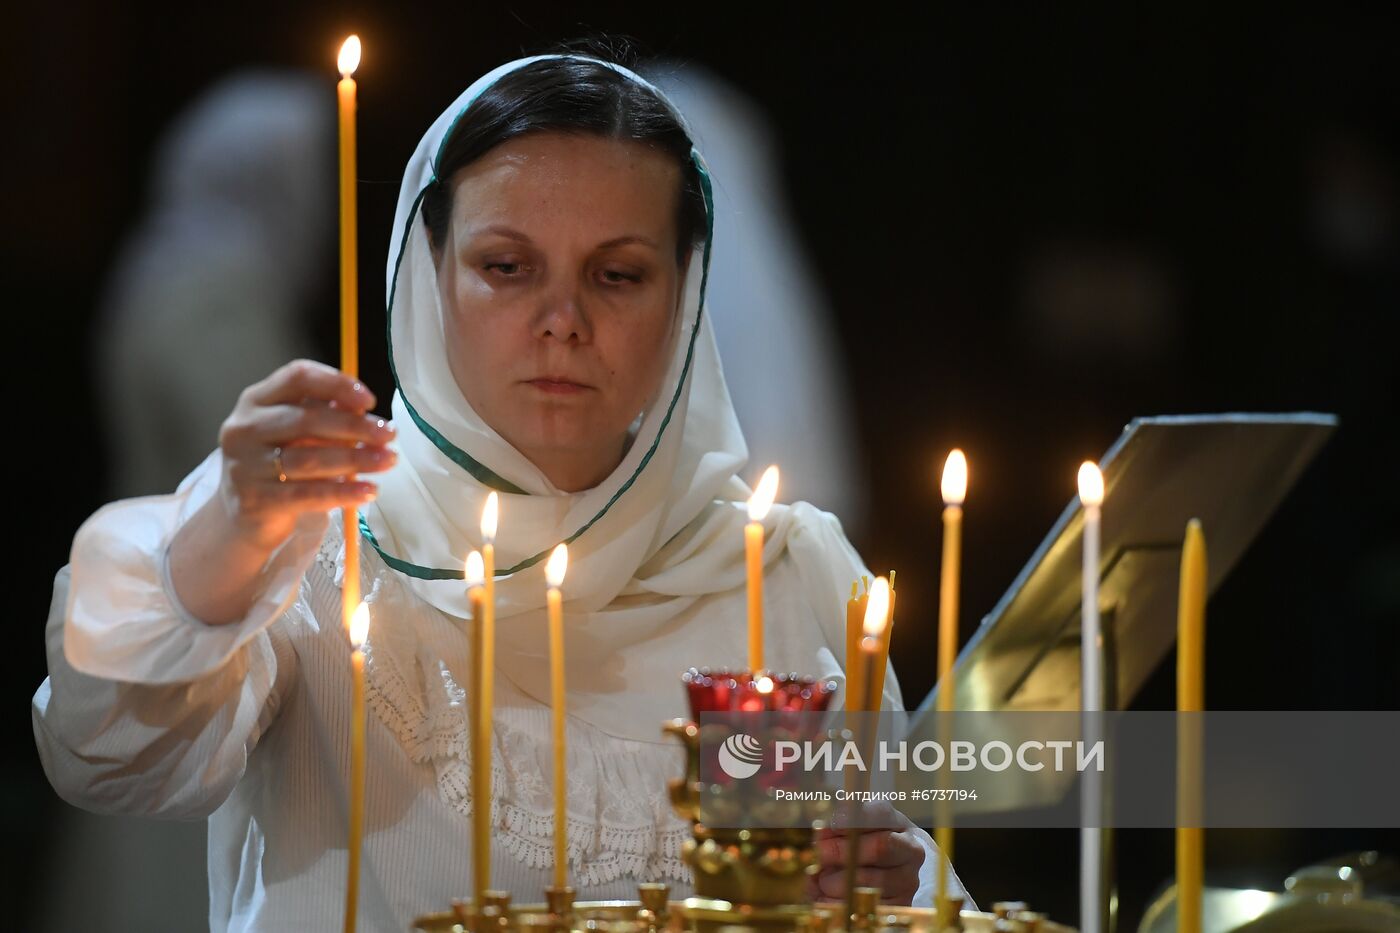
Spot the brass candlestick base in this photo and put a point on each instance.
(760, 867)
(652, 912)
(865, 903)
(950, 912)
(561, 907)
(655, 911)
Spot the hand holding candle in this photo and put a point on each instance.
(759, 504)
(554, 576)
(359, 631)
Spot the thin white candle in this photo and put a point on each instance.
(1091, 703)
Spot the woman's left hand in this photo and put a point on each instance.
(889, 859)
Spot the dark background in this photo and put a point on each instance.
(955, 175)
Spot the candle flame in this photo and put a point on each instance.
(359, 626)
(476, 570)
(764, 684)
(490, 514)
(557, 566)
(1090, 484)
(955, 478)
(877, 611)
(762, 499)
(349, 58)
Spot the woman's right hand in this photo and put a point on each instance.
(293, 444)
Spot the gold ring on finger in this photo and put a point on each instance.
(277, 463)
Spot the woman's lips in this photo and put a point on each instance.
(554, 386)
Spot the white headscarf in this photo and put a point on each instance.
(655, 581)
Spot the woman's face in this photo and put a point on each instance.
(560, 292)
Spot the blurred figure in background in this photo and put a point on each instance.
(216, 286)
(785, 373)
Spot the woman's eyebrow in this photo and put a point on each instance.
(509, 233)
(629, 239)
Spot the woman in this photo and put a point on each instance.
(546, 284)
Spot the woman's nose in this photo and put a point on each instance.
(562, 317)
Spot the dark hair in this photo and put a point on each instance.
(568, 95)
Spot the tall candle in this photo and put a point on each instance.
(855, 616)
(1190, 699)
(489, 517)
(359, 631)
(953, 486)
(347, 62)
(1091, 493)
(877, 611)
(554, 576)
(759, 504)
(475, 575)
(354, 615)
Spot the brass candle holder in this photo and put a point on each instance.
(653, 912)
(748, 849)
(750, 854)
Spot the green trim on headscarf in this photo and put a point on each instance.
(403, 566)
(479, 471)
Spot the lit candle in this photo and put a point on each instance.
(1091, 675)
(489, 516)
(877, 614)
(359, 631)
(882, 655)
(954, 488)
(1091, 702)
(759, 504)
(475, 574)
(1190, 699)
(554, 576)
(347, 62)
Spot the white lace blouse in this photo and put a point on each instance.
(147, 710)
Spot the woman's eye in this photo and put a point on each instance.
(614, 277)
(507, 269)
